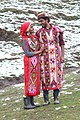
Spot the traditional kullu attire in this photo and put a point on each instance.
(51, 70)
(31, 64)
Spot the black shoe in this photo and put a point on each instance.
(32, 102)
(29, 107)
(46, 103)
(56, 102)
(27, 103)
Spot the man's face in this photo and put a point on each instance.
(43, 22)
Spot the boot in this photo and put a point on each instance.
(46, 98)
(32, 102)
(27, 103)
(55, 94)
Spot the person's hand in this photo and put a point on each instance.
(42, 48)
(37, 52)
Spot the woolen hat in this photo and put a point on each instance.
(43, 16)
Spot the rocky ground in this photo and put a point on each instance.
(9, 36)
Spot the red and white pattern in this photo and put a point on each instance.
(51, 74)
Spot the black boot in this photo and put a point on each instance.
(46, 98)
(32, 102)
(27, 103)
(55, 94)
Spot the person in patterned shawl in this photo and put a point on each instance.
(51, 38)
(31, 64)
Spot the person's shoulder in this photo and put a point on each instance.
(57, 28)
(39, 29)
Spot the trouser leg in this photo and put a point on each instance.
(55, 94)
(46, 97)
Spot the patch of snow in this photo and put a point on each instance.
(58, 108)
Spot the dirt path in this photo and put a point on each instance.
(10, 81)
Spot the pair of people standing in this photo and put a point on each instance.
(46, 67)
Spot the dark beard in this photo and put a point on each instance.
(44, 26)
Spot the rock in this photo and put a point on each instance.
(9, 36)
